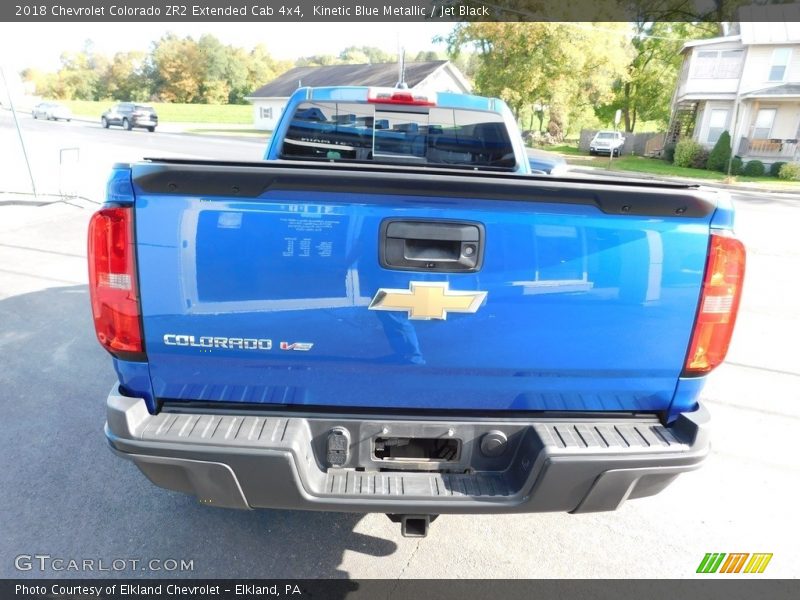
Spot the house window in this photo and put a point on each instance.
(717, 64)
(704, 64)
(265, 112)
(716, 124)
(763, 125)
(780, 60)
(729, 64)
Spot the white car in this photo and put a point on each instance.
(51, 110)
(606, 142)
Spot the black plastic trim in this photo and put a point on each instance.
(275, 462)
(252, 180)
(360, 412)
(438, 266)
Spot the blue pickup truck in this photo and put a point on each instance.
(391, 313)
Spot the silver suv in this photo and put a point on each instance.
(606, 142)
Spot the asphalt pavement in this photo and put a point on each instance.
(62, 492)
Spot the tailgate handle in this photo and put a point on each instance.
(431, 246)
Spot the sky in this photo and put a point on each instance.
(40, 44)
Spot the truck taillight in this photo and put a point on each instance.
(719, 303)
(400, 96)
(112, 283)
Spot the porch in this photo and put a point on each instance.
(770, 124)
(773, 148)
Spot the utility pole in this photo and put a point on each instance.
(19, 131)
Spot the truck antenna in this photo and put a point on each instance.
(401, 82)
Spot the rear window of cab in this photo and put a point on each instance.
(423, 135)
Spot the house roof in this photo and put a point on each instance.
(787, 89)
(775, 31)
(377, 75)
(763, 25)
(770, 23)
(709, 41)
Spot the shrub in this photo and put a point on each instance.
(754, 168)
(790, 172)
(668, 153)
(685, 151)
(700, 160)
(718, 158)
(736, 166)
(775, 168)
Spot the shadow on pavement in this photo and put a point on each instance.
(64, 494)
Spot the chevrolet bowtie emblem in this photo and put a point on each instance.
(427, 300)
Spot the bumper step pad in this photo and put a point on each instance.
(248, 461)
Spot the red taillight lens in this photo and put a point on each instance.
(112, 283)
(719, 303)
(395, 96)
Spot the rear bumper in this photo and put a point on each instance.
(250, 460)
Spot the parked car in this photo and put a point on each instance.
(549, 163)
(376, 320)
(52, 111)
(606, 142)
(130, 115)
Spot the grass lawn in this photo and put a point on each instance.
(561, 149)
(234, 114)
(661, 167)
(654, 166)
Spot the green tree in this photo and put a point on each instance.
(467, 63)
(426, 56)
(126, 77)
(358, 55)
(644, 93)
(720, 154)
(317, 60)
(261, 68)
(557, 64)
(76, 79)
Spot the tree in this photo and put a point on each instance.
(426, 56)
(77, 79)
(467, 63)
(359, 55)
(177, 68)
(645, 92)
(126, 77)
(317, 60)
(555, 64)
(720, 154)
(261, 68)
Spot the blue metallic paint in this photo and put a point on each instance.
(585, 311)
(134, 381)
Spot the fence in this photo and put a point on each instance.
(640, 144)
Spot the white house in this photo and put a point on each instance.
(430, 76)
(747, 83)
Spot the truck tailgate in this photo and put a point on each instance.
(256, 284)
